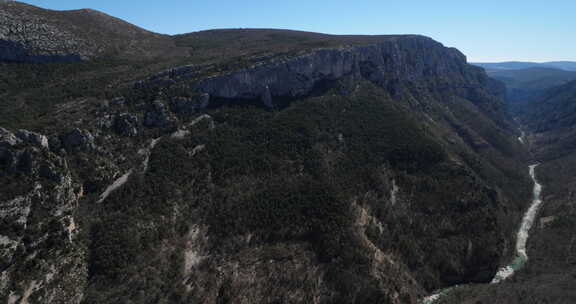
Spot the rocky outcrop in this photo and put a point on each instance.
(33, 138)
(78, 140)
(14, 158)
(38, 224)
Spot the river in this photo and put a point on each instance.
(521, 238)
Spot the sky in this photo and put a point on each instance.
(484, 30)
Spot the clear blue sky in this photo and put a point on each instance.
(484, 30)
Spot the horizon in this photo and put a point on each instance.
(488, 32)
(522, 61)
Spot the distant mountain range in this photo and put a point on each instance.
(529, 80)
(533, 78)
(517, 65)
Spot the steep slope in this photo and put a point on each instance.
(551, 119)
(327, 169)
(31, 34)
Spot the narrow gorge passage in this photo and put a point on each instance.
(523, 233)
(521, 239)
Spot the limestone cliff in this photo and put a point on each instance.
(417, 60)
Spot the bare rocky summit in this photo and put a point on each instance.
(28, 33)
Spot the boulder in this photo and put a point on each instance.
(33, 138)
(78, 139)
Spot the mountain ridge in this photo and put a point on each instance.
(529, 83)
(516, 65)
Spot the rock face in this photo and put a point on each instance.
(551, 119)
(388, 63)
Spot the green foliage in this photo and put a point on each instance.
(378, 131)
(28, 92)
(114, 248)
(564, 222)
(284, 208)
(137, 220)
(13, 185)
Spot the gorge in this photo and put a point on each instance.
(521, 256)
(257, 166)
